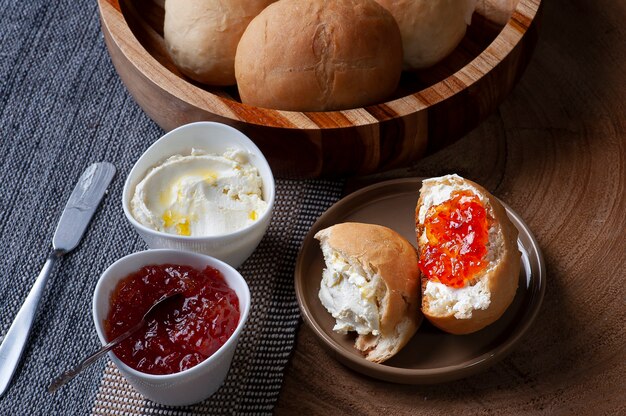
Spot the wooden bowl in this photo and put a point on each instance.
(430, 109)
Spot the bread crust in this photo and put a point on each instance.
(201, 36)
(319, 55)
(498, 11)
(389, 255)
(430, 29)
(502, 281)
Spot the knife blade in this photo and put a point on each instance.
(81, 205)
(77, 214)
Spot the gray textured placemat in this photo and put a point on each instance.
(62, 107)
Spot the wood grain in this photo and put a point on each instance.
(430, 109)
(556, 152)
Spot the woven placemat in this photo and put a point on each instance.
(63, 107)
(255, 378)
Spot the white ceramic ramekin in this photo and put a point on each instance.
(199, 382)
(233, 248)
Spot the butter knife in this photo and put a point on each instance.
(77, 214)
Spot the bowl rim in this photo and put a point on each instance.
(221, 266)
(505, 42)
(271, 186)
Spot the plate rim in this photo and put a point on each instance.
(420, 376)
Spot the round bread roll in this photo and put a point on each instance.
(485, 295)
(371, 285)
(201, 36)
(319, 55)
(430, 29)
(498, 11)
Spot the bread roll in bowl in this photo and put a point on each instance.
(201, 36)
(371, 285)
(488, 290)
(498, 11)
(319, 55)
(430, 29)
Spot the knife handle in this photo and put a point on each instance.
(14, 341)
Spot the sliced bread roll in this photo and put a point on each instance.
(468, 251)
(371, 285)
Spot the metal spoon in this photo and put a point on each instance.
(70, 374)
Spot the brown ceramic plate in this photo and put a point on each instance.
(432, 356)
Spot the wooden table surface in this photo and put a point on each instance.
(557, 155)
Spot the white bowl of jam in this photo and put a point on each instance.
(203, 187)
(183, 355)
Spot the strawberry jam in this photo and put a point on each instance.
(184, 334)
(458, 232)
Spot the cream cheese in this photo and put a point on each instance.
(200, 194)
(349, 296)
(443, 300)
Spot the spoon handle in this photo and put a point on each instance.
(14, 341)
(73, 372)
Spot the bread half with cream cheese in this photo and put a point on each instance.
(470, 264)
(371, 285)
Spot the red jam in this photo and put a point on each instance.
(183, 335)
(458, 232)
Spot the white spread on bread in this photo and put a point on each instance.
(435, 191)
(349, 295)
(371, 285)
(200, 194)
(443, 300)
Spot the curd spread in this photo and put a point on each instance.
(200, 194)
(349, 297)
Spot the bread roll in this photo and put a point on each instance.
(430, 29)
(201, 36)
(319, 55)
(498, 11)
(371, 286)
(470, 279)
